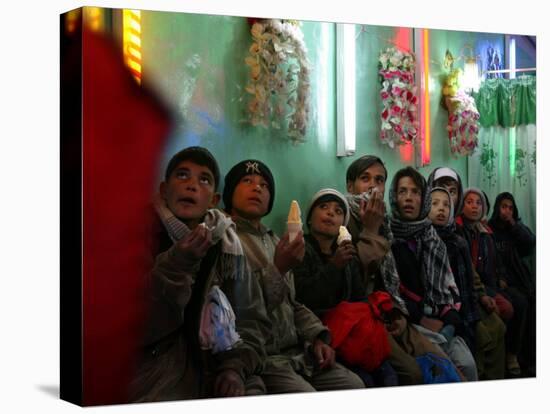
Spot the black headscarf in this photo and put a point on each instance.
(495, 220)
(241, 169)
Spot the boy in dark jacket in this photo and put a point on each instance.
(331, 272)
(514, 241)
(510, 305)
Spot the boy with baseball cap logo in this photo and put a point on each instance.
(248, 196)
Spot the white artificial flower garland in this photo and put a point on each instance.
(279, 77)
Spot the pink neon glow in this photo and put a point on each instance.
(426, 141)
(406, 151)
(403, 38)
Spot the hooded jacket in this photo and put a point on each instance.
(513, 242)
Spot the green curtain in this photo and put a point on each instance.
(507, 102)
(506, 160)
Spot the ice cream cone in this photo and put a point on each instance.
(343, 235)
(294, 222)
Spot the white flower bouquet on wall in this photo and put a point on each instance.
(279, 77)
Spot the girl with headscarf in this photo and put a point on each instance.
(427, 282)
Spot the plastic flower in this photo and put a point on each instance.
(279, 77)
(254, 49)
(463, 119)
(396, 69)
(257, 30)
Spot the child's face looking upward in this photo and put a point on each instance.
(370, 178)
(189, 192)
(440, 210)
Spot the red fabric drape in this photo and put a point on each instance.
(124, 130)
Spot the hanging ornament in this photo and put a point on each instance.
(399, 116)
(279, 77)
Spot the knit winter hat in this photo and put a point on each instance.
(247, 167)
(445, 172)
(361, 164)
(198, 155)
(326, 195)
(481, 196)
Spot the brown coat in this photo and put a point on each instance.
(174, 367)
(294, 326)
(371, 248)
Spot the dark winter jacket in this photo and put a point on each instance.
(320, 285)
(512, 244)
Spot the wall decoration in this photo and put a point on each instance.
(493, 62)
(488, 162)
(521, 171)
(399, 118)
(463, 125)
(279, 77)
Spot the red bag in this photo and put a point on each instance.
(359, 335)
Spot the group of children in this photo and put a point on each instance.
(430, 291)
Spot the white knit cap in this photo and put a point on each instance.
(336, 193)
(445, 172)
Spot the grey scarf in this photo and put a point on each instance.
(232, 262)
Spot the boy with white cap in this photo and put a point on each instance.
(331, 272)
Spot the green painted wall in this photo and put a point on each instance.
(197, 64)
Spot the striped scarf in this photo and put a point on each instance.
(439, 281)
(430, 249)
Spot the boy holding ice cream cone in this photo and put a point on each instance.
(248, 196)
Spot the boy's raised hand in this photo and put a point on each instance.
(195, 245)
(289, 255)
(372, 212)
(344, 253)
